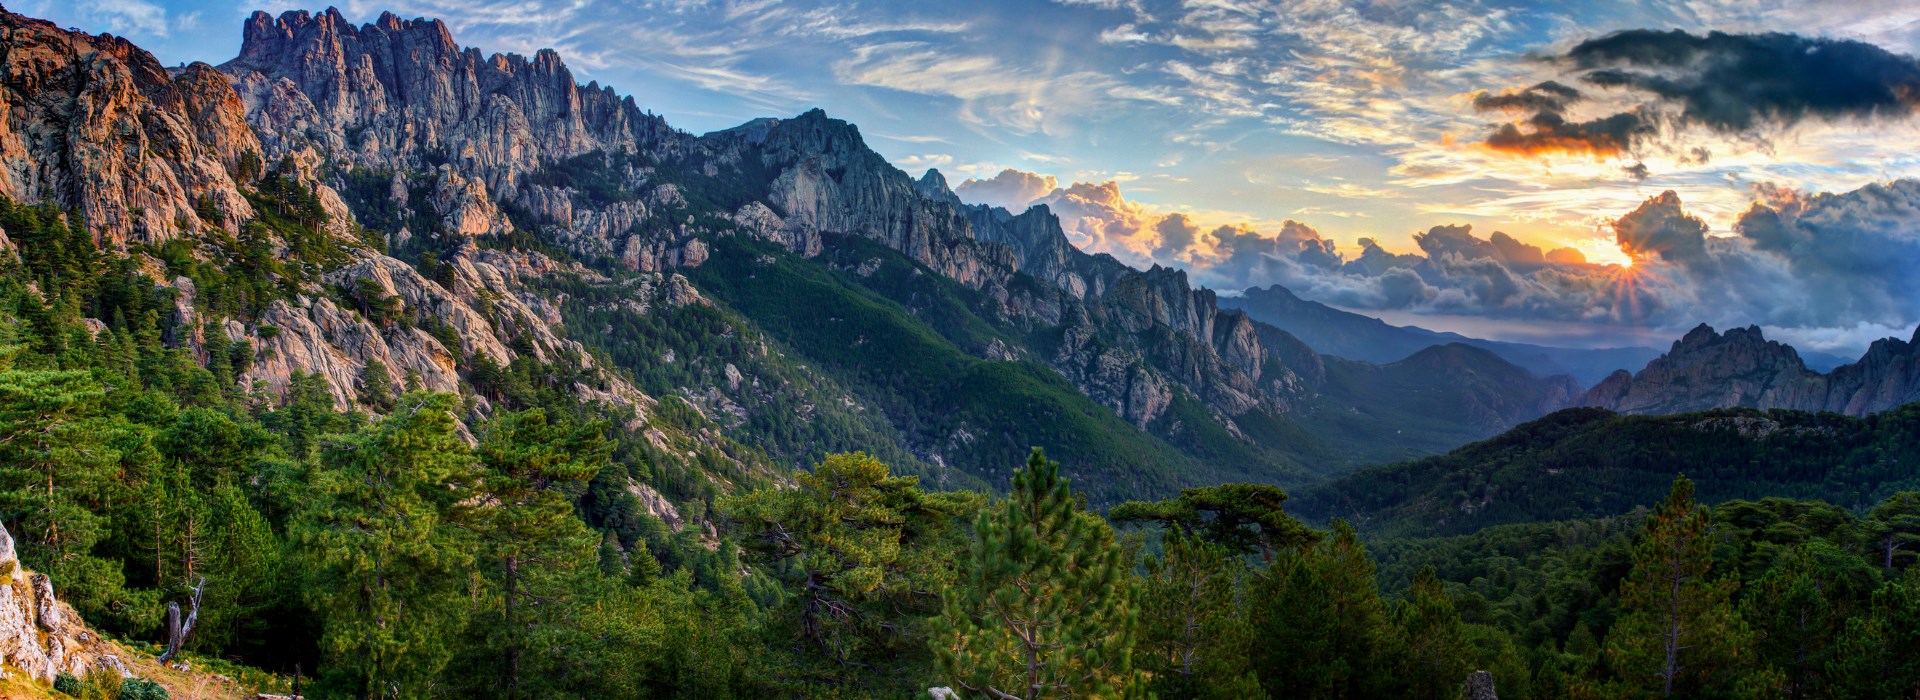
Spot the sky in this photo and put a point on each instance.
(1492, 167)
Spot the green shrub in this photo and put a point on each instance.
(142, 689)
(67, 684)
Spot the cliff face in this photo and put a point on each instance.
(95, 125)
(1706, 369)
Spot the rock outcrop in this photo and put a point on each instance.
(1480, 686)
(1706, 369)
(39, 634)
(318, 336)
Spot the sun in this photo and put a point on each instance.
(1603, 250)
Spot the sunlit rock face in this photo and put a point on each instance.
(94, 125)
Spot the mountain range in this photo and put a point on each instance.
(446, 215)
(464, 212)
(1741, 368)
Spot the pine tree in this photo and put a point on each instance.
(1244, 518)
(57, 459)
(1798, 608)
(1194, 638)
(376, 385)
(1321, 624)
(1435, 651)
(612, 563)
(1877, 655)
(1043, 608)
(535, 550)
(1894, 528)
(62, 458)
(1678, 635)
(642, 568)
(385, 561)
(864, 546)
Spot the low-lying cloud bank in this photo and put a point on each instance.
(1829, 272)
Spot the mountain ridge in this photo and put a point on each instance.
(1741, 368)
(464, 199)
(1368, 339)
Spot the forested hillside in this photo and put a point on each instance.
(1587, 463)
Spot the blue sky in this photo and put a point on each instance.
(1354, 118)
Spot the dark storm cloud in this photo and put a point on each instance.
(1728, 83)
(1855, 252)
(1737, 82)
(1549, 132)
(1549, 96)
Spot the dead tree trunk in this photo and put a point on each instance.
(177, 629)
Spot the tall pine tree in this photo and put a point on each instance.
(1435, 653)
(867, 552)
(536, 554)
(1194, 637)
(1044, 608)
(1678, 635)
(385, 558)
(1322, 626)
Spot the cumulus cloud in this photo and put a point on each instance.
(1013, 189)
(1177, 235)
(1852, 255)
(1099, 219)
(1659, 228)
(1730, 84)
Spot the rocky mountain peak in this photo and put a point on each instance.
(933, 186)
(394, 94)
(1743, 345)
(1740, 367)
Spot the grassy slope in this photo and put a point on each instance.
(913, 363)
